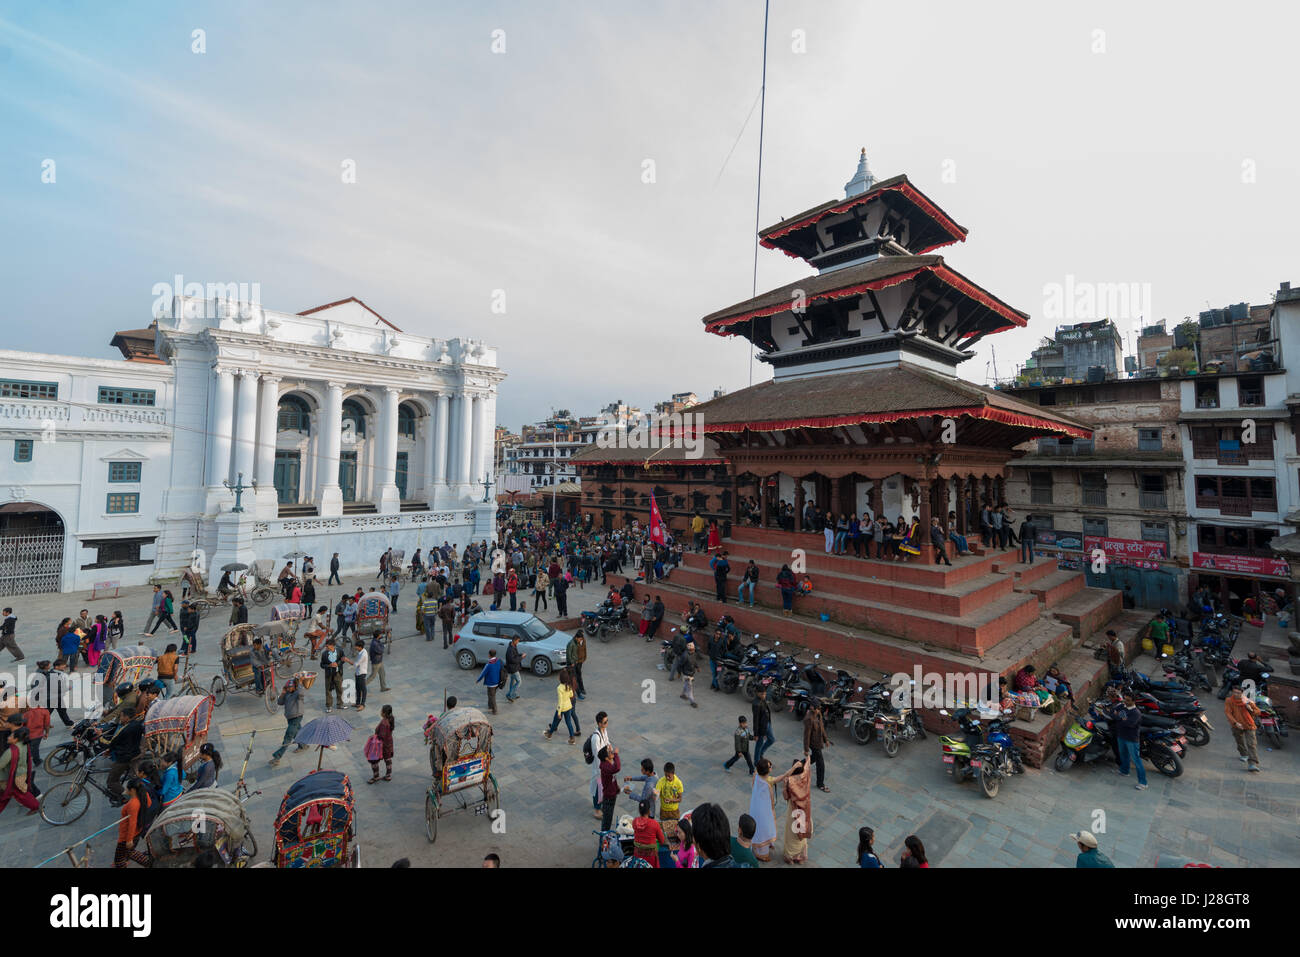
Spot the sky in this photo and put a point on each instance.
(597, 163)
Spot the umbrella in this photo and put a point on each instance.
(293, 556)
(323, 733)
(234, 567)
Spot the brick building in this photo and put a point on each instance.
(617, 484)
(1121, 491)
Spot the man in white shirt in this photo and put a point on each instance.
(360, 671)
(599, 739)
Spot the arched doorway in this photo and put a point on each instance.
(31, 549)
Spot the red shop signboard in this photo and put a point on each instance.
(1240, 564)
(1125, 548)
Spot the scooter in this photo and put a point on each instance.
(990, 760)
(1089, 739)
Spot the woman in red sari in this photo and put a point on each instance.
(16, 770)
(715, 537)
(647, 836)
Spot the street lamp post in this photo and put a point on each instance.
(238, 488)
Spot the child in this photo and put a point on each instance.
(687, 856)
(669, 789)
(98, 639)
(741, 741)
(647, 778)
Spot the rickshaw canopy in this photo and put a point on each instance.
(373, 605)
(239, 635)
(264, 568)
(126, 664)
(174, 841)
(315, 822)
(179, 724)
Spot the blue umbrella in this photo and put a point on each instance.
(323, 733)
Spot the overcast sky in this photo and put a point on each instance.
(1149, 143)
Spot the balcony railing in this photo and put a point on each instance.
(1153, 499)
(1231, 504)
(1094, 496)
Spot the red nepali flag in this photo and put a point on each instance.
(656, 523)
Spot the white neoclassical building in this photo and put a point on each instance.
(347, 435)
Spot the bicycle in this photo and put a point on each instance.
(241, 788)
(186, 685)
(68, 801)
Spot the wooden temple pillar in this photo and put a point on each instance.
(963, 504)
(837, 484)
(762, 501)
(735, 501)
(798, 504)
(878, 497)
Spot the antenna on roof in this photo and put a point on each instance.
(758, 192)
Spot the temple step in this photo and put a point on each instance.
(1054, 588)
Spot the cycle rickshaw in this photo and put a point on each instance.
(460, 755)
(373, 611)
(237, 670)
(208, 819)
(177, 724)
(279, 636)
(316, 826)
(129, 663)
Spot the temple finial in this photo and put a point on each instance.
(862, 180)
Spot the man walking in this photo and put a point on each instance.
(8, 630)
(1128, 727)
(189, 623)
(376, 649)
(561, 587)
(491, 678)
(394, 586)
(429, 608)
(334, 578)
(291, 699)
(331, 663)
(762, 724)
(1242, 712)
(686, 667)
(155, 612)
(447, 615)
(576, 654)
(514, 661)
(360, 672)
(814, 740)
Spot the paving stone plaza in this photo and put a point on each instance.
(1215, 812)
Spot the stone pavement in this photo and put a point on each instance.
(1215, 812)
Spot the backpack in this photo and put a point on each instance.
(587, 754)
(376, 650)
(150, 813)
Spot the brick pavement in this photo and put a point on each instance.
(1214, 812)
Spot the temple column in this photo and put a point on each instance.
(798, 503)
(465, 438)
(735, 501)
(386, 454)
(222, 426)
(329, 496)
(762, 501)
(246, 424)
(478, 420)
(440, 444)
(836, 483)
(268, 413)
(878, 496)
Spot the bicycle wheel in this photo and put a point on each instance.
(284, 666)
(65, 759)
(218, 690)
(269, 696)
(65, 803)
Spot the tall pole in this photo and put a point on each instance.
(555, 464)
(758, 191)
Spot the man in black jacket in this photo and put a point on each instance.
(238, 612)
(656, 616)
(331, 662)
(938, 540)
(762, 724)
(721, 568)
(717, 651)
(514, 661)
(334, 571)
(189, 628)
(123, 750)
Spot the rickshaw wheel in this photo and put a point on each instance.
(269, 699)
(218, 691)
(203, 606)
(494, 799)
(354, 858)
(263, 595)
(431, 817)
(248, 849)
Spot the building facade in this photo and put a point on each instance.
(332, 429)
(1121, 491)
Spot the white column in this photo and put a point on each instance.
(246, 425)
(386, 470)
(222, 425)
(488, 460)
(440, 445)
(267, 421)
(329, 496)
(478, 441)
(465, 438)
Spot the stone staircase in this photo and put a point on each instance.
(986, 615)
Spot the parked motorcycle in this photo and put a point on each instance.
(990, 759)
(859, 712)
(897, 726)
(1089, 738)
(1272, 723)
(605, 621)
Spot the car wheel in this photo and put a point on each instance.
(465, 658)
(542, 666)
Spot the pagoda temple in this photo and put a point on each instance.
(865, 411)
(865, 414)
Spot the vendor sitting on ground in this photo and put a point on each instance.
(1055, 682)
(1026, 679)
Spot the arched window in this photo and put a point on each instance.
(293, 415)
(354, 413)
(406, 421)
